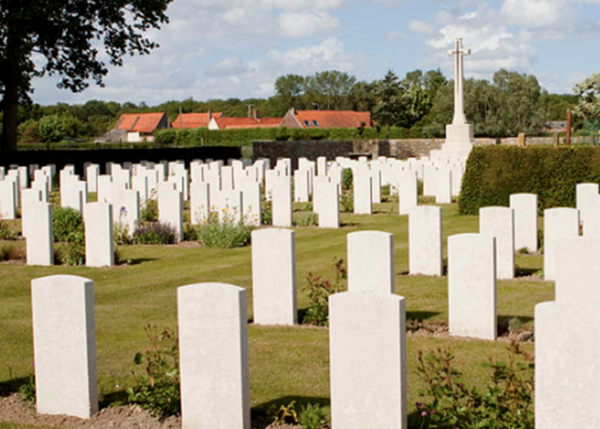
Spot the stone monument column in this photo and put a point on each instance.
(459, 134)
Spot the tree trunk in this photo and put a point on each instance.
(10, 120)
(12, 79)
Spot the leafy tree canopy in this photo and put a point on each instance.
(66, 37)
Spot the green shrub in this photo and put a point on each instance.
(6, 232)
(67, 223)
(149, 213)
(73, 251)
(493, 173)
(154, 233)
(347, 202)
(12, 252)
(313, 417)
(225, 235)
(266, 213)
(27, 390)
(157, 387)
(68, 229)
(305, 219)
(507, 403)
(347, 179)
(319, 290)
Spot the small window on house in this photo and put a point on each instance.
(316, 123)
(307, 123)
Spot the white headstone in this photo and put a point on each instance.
(362, 192)
(472, 286)
(371, 262)
(199, 202)
(585, 195)
(425, 245)
(64, 345)
(525, 207)
(408, 193)
(559, 223)
(99, 239)
(274, 276)
(213, 356)
(170, 208)
(329, 206)
(443, 186)
(8, 205)
(282, 201)
(498, 222)
(40, 238)
(367, 347)
(567, 355)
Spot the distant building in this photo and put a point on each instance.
(325, 119)
(555, 127)
(137, 127)
(195, 120)
(255, 121)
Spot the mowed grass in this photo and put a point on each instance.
(285, 363)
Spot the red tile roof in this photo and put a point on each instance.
(239, 123)
(333, 118)
(194, 120)
(139, 122)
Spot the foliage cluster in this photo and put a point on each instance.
(206, 137)
(225, 234)
(68, 229)
(6, 232)
(319, 290)
(494, 173)
(157, 387)
(507, 402)
(310, 416)
(11, 252)
(154, 233)
(149, 212)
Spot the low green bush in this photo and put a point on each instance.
(149, 212)
(69, 231)
(493, 173)
(6, 232)
(242, 137)
(154, 233)
(67, 223)
(319, 290)
(157, 385)
(226, 234)
(313, 416)
(506, 403)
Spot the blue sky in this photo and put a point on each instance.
(237, 48)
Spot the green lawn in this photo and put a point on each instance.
(285, 363)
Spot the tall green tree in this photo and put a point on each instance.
(388, 93)
(65, 33)
(588, 92)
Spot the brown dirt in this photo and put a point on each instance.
(14, 410)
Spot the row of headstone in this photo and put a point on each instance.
(367, 340)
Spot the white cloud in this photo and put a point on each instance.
(421, 27)
(306, 24)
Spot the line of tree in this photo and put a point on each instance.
(421, 102)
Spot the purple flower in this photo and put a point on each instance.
(432, 412)
(419, 404)
(424, 414)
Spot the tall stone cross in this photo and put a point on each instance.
(459, 94)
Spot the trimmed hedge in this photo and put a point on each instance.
(493, 173)
(206, 137)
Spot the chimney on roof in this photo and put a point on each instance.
(209, 115)
(293, 110)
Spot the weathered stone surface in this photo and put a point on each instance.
(274, 276)
(64, 343)
(213, 343)
(368, 360)
(472, 286)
